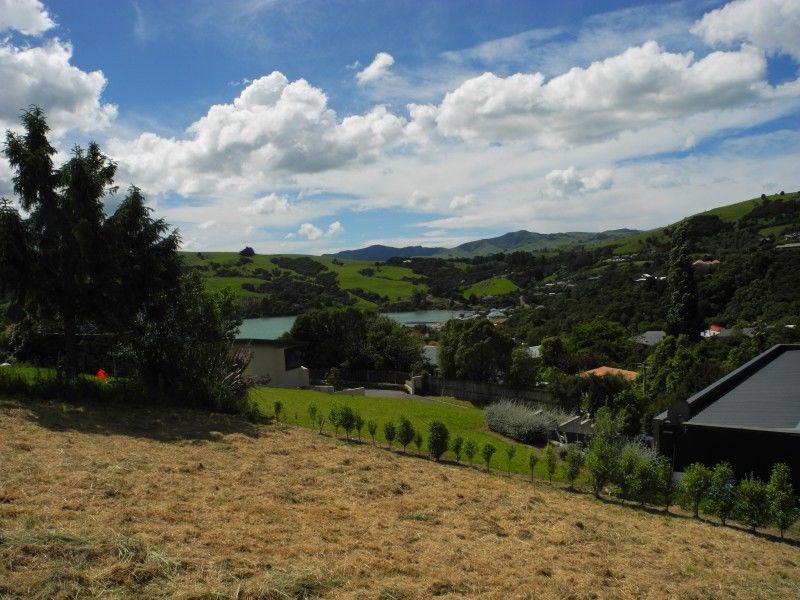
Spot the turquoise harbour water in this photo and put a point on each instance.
(271, 328)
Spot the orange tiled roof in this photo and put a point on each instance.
(603, 371)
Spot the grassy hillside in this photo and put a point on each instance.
(729, 213)
(97, 501)
(229, 269)
(527, 241)
(496, 286)
(387, 280)
(292, 284)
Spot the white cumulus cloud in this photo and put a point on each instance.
(773, 25)
(638, 88)
(334, 228)
(43, 75)
(273, 130)
(567, 182)
(268, 205)
(310, 231)
(205, 225)
(461, 202)
(419, 200)
(26, 16)
(378, 68)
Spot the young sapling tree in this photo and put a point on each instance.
(418, 441)
(783, 506)
(335, 418)
(487, 453)
(695, 484)
(533, 458)
(359, 425)
(405, 432)
(511, 451)
(457, 447)
(389, 432)
(372, 428)
(470, 450)
(752, 503)
(438, 439)
(312, 413)
(574, 463)
(551, 460)
(722, 492)
(347, 419)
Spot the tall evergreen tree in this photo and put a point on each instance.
(683, 316)
(66, 216)
(13, 251)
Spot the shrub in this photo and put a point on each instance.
(389, 432)
(601, 459)
(438, 438)
(721, 495)
(574, 460)
(551, 460)
(418, 440)
(278, 406)
(347, 419)
(511, 451)
(782, 502)
(695, 484)
(321, 422)
(752, 503)
(335, 417)
(626, 471)
(666, 486)
(405, 432)
(470, 450)
(359, 424)
(529, 425)
(372, 428)
(457, 447)
(487, 452)
(312, 412)
(532, 460)
(648, 480)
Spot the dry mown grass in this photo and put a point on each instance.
(111, 503)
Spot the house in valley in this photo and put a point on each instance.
(276, 363)
(750, 418)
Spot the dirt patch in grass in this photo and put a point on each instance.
(88, 510)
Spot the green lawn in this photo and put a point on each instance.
(496, 286)
(460, 417)
(27, 373)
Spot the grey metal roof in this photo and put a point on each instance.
(767, 398)
(650, 338)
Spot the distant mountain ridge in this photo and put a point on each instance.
(380, 252)
(527, 241)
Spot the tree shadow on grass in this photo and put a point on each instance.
(165, 424)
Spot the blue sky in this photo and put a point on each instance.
(296, 126)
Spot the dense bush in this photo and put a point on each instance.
(438, 438)
(694, 487)
(530, 425)
(752, 503)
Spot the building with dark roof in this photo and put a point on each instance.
(750, 418)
